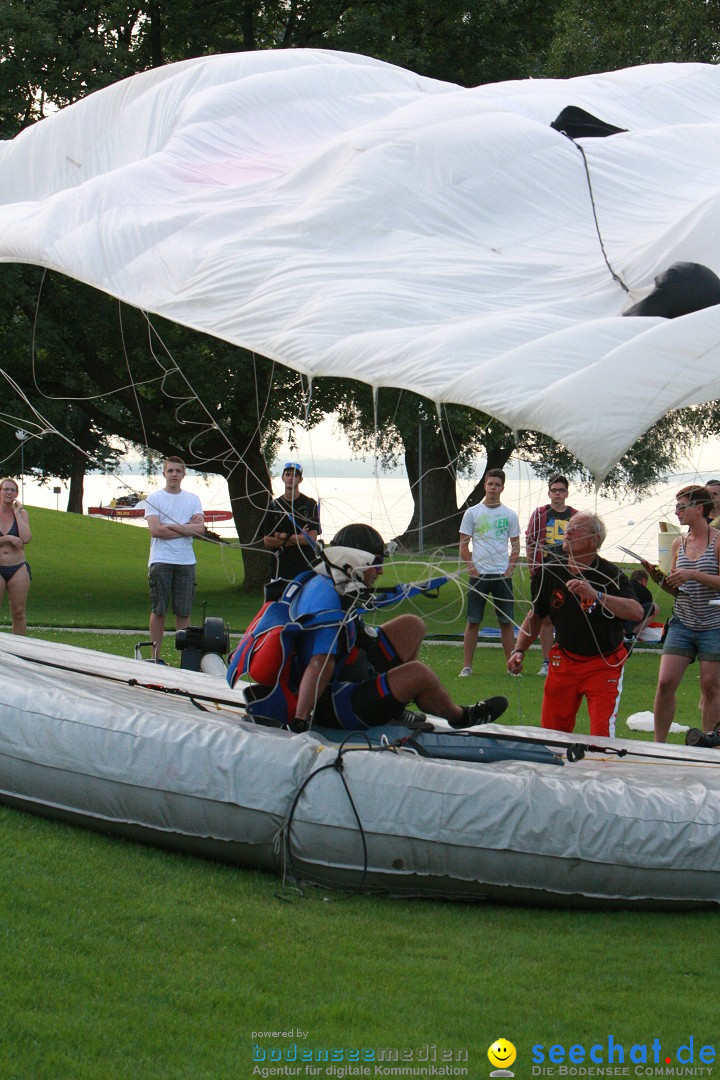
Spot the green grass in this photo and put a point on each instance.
(121, 961)
(525, 694)
(91, 572)
(88, 572)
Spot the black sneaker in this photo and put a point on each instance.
(485, 712)
(411, 719)
(297, 726)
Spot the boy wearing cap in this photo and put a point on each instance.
(291, 523)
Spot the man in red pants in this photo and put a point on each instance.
(587, 599)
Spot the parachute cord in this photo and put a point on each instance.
(446, 434)
(308, 399)
(339, 767)
(132, 381)
(260, 411)
(616, 277)
(33, 334)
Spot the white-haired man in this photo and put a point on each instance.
(587, 599)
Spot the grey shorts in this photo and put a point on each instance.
(171, 581)
(499, 588)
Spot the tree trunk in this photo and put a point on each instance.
(77, 483)
(440, 515)
(249, 487)
(248, 25)
(156, 48)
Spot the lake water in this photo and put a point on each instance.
(386, 502)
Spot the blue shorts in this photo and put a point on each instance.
(499, 588)
(682, 641)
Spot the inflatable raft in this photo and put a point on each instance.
(165, 756)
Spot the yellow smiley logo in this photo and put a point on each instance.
(502, 1053)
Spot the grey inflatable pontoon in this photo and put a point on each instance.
(166, 757)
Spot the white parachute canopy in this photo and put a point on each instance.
(350, 218)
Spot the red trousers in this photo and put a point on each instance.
(572, 678)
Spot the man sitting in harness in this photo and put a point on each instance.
(340, 673)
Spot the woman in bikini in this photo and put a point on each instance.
(694, 630)
(14, 535)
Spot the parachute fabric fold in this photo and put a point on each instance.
(349, 218)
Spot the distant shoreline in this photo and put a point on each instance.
(326, 467)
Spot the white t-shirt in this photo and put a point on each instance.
(172, 510)
(490, 528)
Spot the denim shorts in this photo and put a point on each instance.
(493, 585)
(682, 641)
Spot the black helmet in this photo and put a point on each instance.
(359, 536)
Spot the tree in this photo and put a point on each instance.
(436, 447)
(56, 51)
(62, 49)
(451, 39)
(439, 446)
(64, 441)
(604, 35)
(101, 372)
(454, 41)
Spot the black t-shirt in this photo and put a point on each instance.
(553, 538)
(642, 593)
(290, 516)
(581, 627)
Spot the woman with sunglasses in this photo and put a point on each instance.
(694, 629)
(14, 570)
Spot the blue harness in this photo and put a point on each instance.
(268, 650)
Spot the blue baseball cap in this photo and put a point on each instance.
(294, 465)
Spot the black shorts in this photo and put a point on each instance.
(356, 706)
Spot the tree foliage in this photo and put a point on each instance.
(604, 35)
(98, 367)
(100, 373)
(438, 446)
(460, 42)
